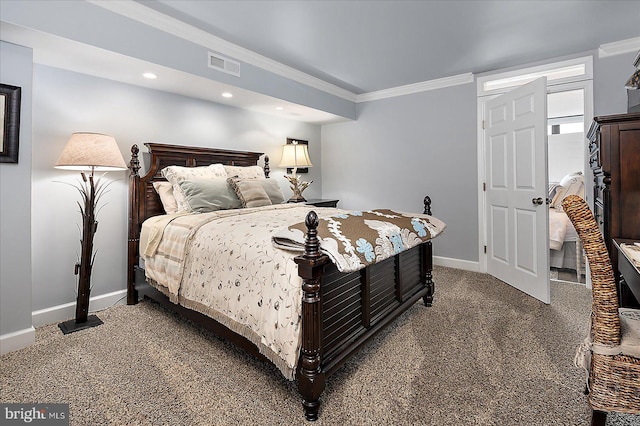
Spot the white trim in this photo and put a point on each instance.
(449, 262)
(66, 311)
(619, 47)
(424, 86)
(160, 21)
(17, 340)
(482, 225)
(539, 71)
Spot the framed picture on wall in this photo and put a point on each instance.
(10, 125)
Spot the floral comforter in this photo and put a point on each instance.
(225, 264)
(356, 239)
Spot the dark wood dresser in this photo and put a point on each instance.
(614, 146)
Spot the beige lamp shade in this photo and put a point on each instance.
(91, 151)
(295, 155)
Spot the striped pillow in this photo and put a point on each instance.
(250, 192)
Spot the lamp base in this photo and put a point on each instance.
(297, 199)
(297, 186)
(72, 326)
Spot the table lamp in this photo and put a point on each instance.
(295, 155)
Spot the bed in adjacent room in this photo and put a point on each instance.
(300, 286)
(565, 249)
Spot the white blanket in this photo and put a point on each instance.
(559, 226)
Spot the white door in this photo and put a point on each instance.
(516, 188)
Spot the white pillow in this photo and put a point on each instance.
(165, 191)
(574, 182)
(571, 184)
(247, 172)
(177, 174)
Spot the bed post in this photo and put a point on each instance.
(134, 231)
(311, 379)
(266, 167)
(427, 260)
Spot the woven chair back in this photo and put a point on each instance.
(605, 325)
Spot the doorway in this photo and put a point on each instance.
(566, 76)
(566, 166)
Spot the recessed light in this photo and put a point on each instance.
(227, 95)
(279, 108)
(149, 75)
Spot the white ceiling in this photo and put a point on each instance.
(358, 46)
(70, 55)
(366, 46)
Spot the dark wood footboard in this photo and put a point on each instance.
(341, 312)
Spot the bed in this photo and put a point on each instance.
(338, 311)
(565, 249)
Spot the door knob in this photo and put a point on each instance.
(537, 201)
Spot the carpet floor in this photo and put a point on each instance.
(483, 354)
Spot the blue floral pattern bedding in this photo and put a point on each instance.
(356, 239)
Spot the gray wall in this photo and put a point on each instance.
(15, 209)
(67, 102)
(401, 149)
(610, 74)
(425, 143)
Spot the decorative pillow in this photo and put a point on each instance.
(251, 192)
(176, 174)
(165, 191)
(553, 188)
(574, 184)
(272, 188)
(207, 195)
(247, 172)
(571, 184)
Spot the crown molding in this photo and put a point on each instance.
(619, 47)
(152, 18)
(147, 16)
(155, 19)
(160, 21)
(417, 87)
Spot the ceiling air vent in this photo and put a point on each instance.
(223, 64)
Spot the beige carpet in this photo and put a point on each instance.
(484, 354)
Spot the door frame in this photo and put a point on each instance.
(584, 81)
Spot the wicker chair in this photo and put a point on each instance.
(614, 367)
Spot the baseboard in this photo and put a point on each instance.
(68, 310)
(17, 340)
(466, 265)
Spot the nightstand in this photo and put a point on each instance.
(322, 202)
(629, 282)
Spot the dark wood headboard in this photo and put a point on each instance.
(144, 201)
(162, 155)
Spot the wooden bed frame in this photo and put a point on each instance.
(340, 311)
